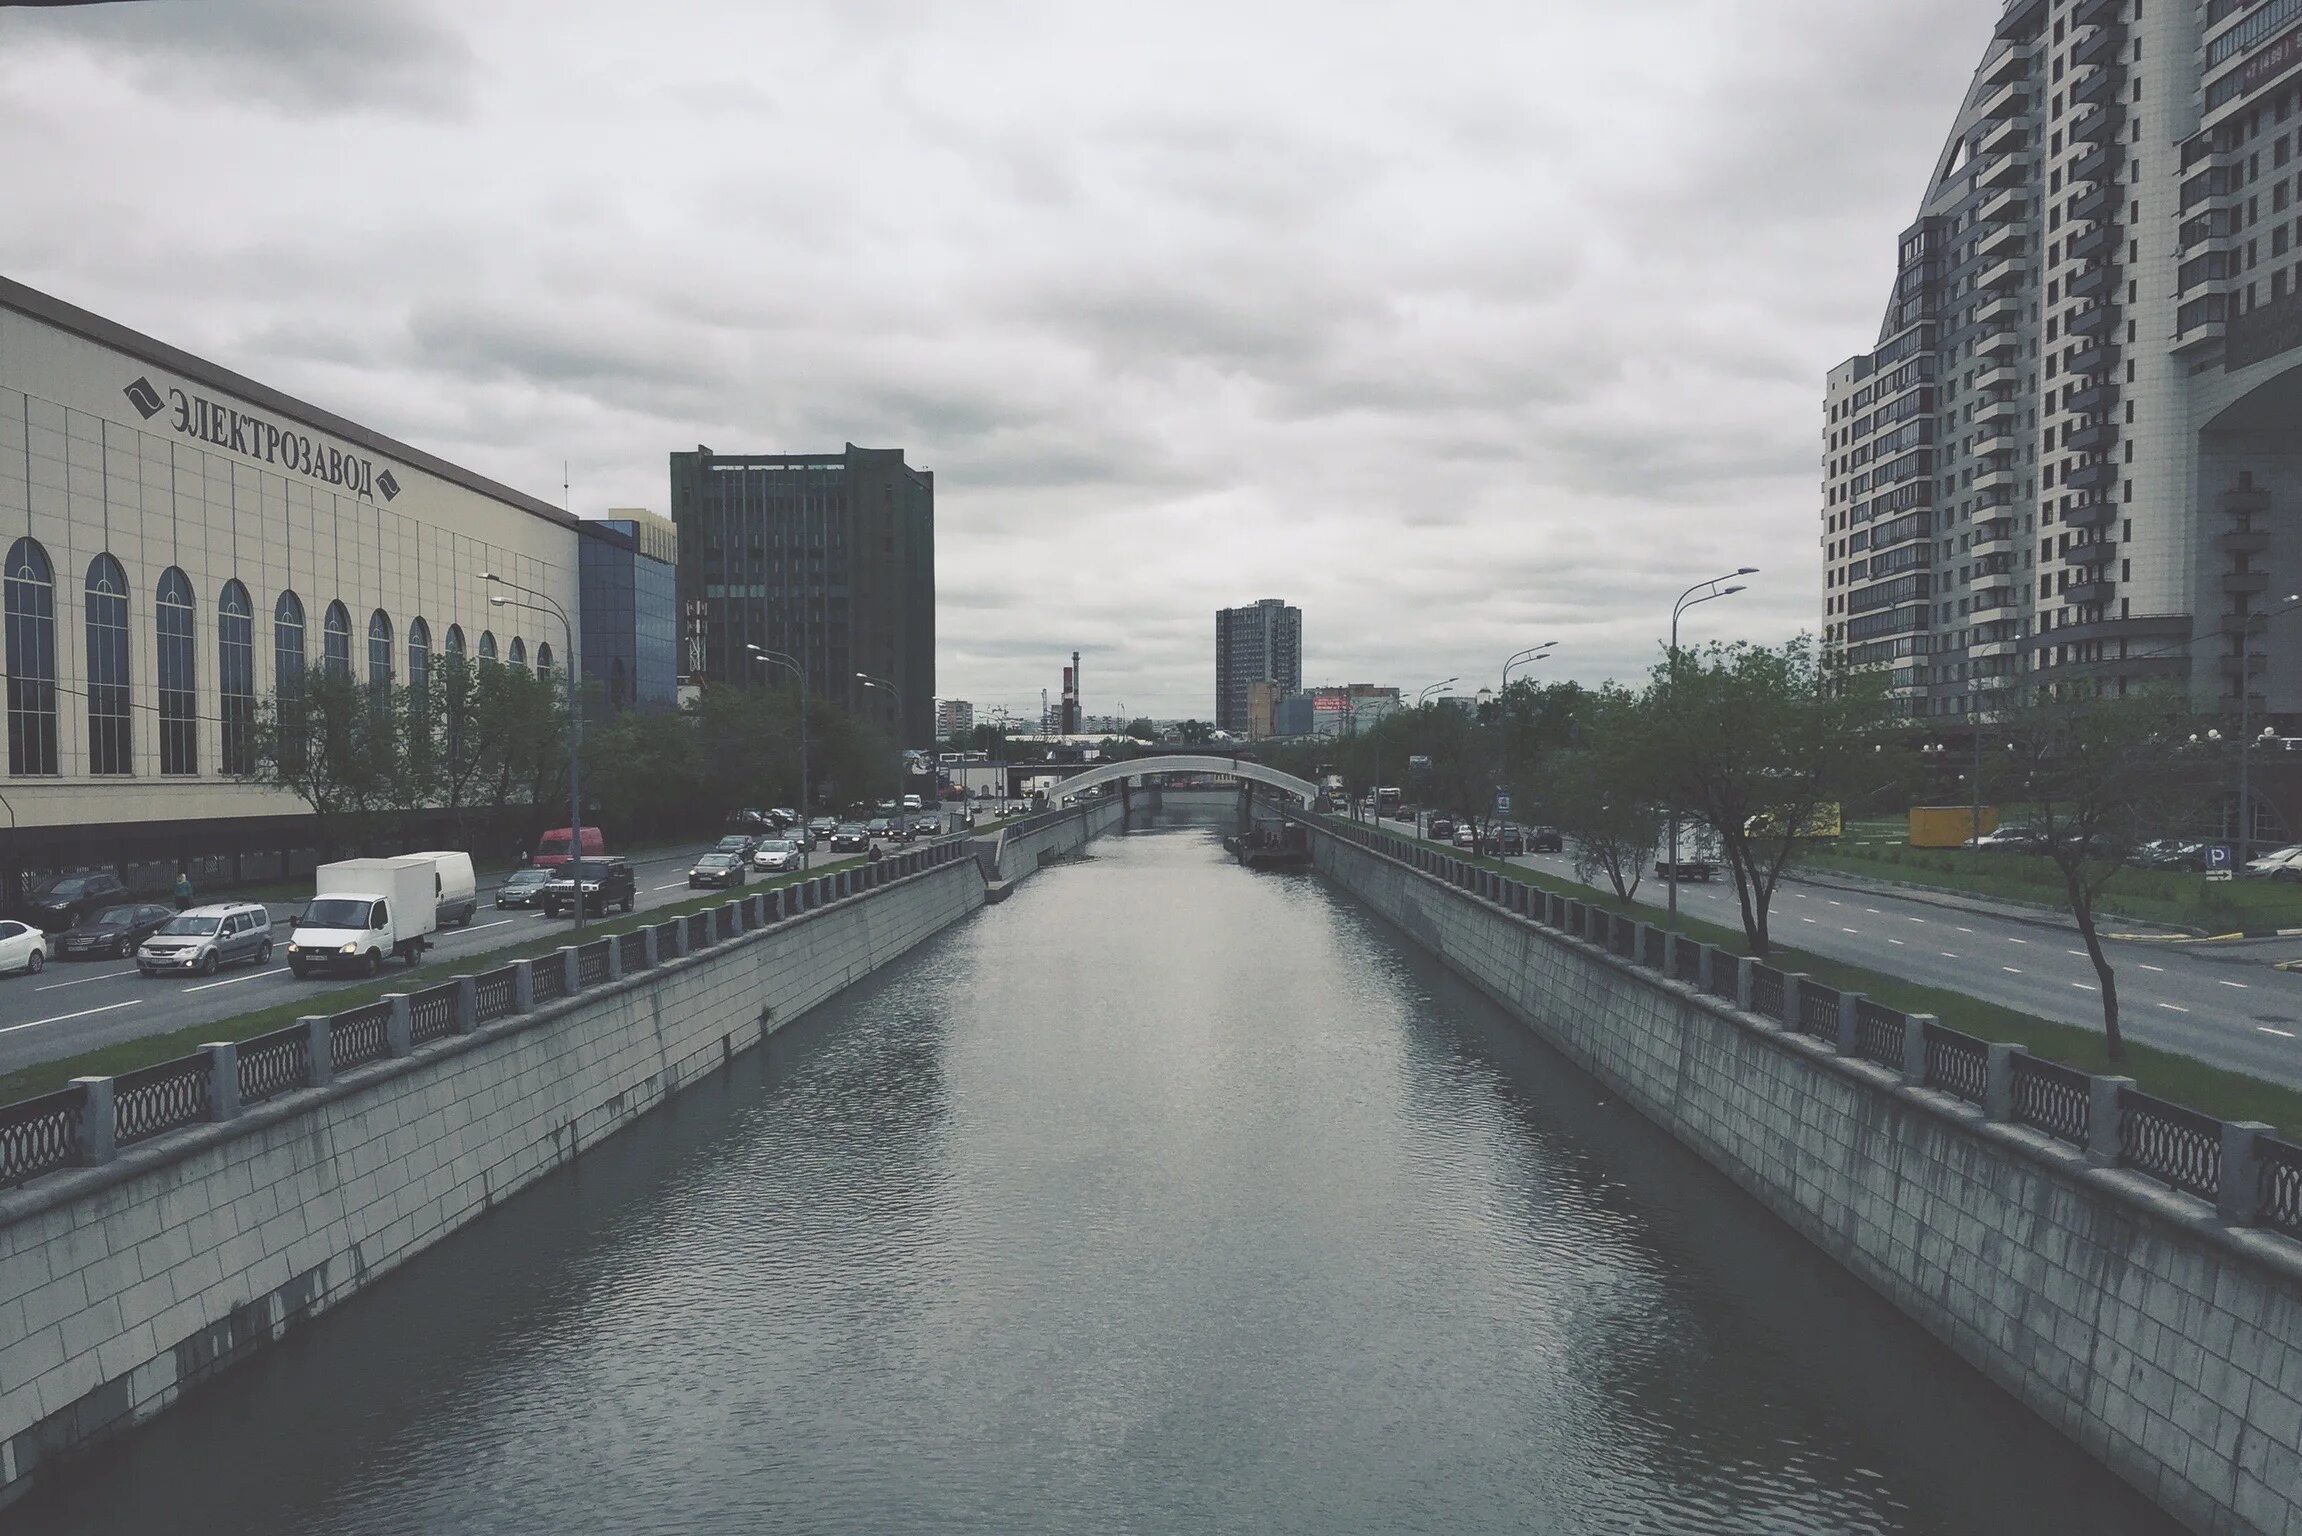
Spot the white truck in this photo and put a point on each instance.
(364, 910)
(1697, 855)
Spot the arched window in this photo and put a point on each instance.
(336, 640)
(544, 659)
(419, 665)
(179, 698)
(111, 742)
(519, 655)
(487, 646)
(455, 642)
(288, 666)
(31, 623)
(380, 652)
(236, 675)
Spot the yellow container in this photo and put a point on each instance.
(1948, 826)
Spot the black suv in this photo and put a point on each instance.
(1546, 840)
(606, 884)
(58, 902)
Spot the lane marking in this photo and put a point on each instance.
(2283, 1034)
(2018, 941)
(1854, 931)
(1917, 919)
(1834, 903)
(2240, 985)
(1807, 919)
(233, 981)
(2171, 1008)
(2082, 986)
(1947, 955)
(2013, 969)
(2159, 968)
(1962, 930)
(476, 927)
(675, 885)
(1898, 942)
(1874, 912)
(2080, 953)
(61, 1017)
(83, 981)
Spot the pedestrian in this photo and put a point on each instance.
(519, 855)
(183, 888)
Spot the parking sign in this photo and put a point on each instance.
(1502, 803)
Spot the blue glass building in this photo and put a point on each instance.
(628, 573)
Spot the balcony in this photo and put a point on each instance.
(2093, 400)
(2244, 583)
(2244, 501)
(2002, 170)
(1985, 650)
(2101, 240)
(2090, 594)
(2092, 477)
(2098, 437)
(2020, 21)
(2092, 514)
(2092, 282)
(2093, 358)
(1999, 407)
(2097, 205)
(1998, 376)
(2090, 554)
(2102, 47)
(2013, 64)
(2004, 137)
(2096, 320)
(2000, 542)
(2009, 100)
(2101, 87)
(1994, 476)
(1999, 312)
(2003, 242)
(2094, 13)
(1994, 436)
(2012, 205)
(2100, 126)
(2243, 541)
(2005, 273)
(2198, 337)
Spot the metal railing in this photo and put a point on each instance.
(2280, 1191)
(360, 1036)
(1689, 964)
(1818, 1011)
(1956, 1063)
(41, 1135)
(1878, 1033)
(1623, 936)
(698, 930)
(1653, 947)
(277, 1063)
(494, 995)
(432, 1013)
(2176, 1145)
(634, 955)
(161, 1097)
(591, 962)
(2053, 1098)
(1766, 991)
(547, 978)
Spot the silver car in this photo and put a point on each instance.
(203, 940)
(776, 853)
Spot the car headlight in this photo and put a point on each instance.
(349, 949)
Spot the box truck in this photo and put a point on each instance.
(364, 910)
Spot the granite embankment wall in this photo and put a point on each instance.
(123, 1284)
(1023, 846)
(2156, 1333)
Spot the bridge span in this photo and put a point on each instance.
(1184, 762)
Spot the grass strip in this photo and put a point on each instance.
(2213, 1090)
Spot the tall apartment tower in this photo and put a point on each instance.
(2076, 451)
(828, 558)
(1262, 643)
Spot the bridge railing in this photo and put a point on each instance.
(90, 1121)
(2243, 1170)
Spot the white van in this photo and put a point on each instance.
(459, 891)
(914, 804)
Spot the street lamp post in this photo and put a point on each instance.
(539, 603)
(869, 681)
(1710, 590)
(1528, 657)
(1444, 685)
(806, 833)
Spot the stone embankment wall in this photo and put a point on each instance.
(2157, 1334)
(123, 1284)
(1024, 846)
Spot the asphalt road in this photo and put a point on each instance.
(2219, 1005)
(82, 1005)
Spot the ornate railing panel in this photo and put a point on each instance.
(359, 1036)
(40, 1135)
(1653, 947)
(432, 1013)
(1818, 1011)
(2280, 1193)
(548, 978)
(277, 1063)
(161, 1097)
(1957, 1063)
(2169, 1142)
(634, 954)
(493, 995)
(1766, 991)
(1688, 966)
(591, 963)
(1878, 1033)
(2053, 1098)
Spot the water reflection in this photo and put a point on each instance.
(1161, 1198)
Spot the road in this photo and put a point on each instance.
(83, 1005)
(2218, 1005)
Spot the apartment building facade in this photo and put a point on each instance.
(2075, 452)
(1262, 642)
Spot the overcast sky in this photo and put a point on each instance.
(1461, 326)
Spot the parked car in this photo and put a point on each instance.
(113, 932)
(775, 854)
(521, 887)
(205, 939)
(2009, 840)
(1510, 842)
(782, 818)
(2172, 853)
(603, 884)
(22, 948)
(741, 844)
(2284, 866)
(748, 818)
(1546, 840)
(719, 869)
(850, 838)
(56, 902)
(1466, 836)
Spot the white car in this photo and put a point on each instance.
(22, 948)
(2283, 865)
(775, 853)
(1466, 837)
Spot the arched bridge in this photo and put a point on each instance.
(1183, 762)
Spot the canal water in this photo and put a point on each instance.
(1163, 1198)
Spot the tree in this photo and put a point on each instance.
(1193, 732)
(1760, 742)
(1605, 794)
(1142, 729)
(331, 741)
(2104, 774)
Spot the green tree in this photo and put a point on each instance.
(1758, 742)
(1142, 729)
(2103, 775)
(330, 741)
(1605, 795)
(644, 774)
(1194, 732)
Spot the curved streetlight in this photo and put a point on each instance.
(1532, 655)
(1445, 686)
(537, 602)
(766, 657)
(1700, 592)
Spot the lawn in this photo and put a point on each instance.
(2183, 1079)
(2158, 896)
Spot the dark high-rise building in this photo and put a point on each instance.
(629, 588)
(1263, 643)
(828, 557)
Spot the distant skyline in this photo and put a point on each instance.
(1465, 327)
